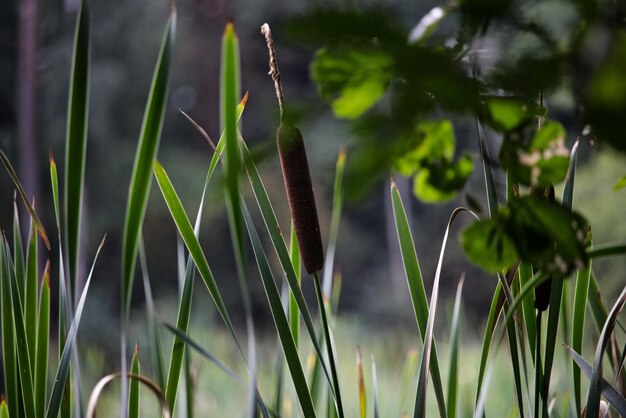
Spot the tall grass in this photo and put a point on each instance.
(25, 294)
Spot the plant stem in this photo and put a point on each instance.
(329, 345)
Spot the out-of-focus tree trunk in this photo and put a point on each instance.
(27, 87)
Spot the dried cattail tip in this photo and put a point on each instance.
(297, 178)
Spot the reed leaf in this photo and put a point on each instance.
(595, 387)
(156, 346)
(133, 391)
(416, 288)
(607, 250)
(294, 315)
(361, 384)
(18, 252)
(9, 357)
(422, 379)
(273, 229)
(63, 369)
(608, 391)
(556, 296)
(9, 168)
(4, 409)
(76, 141)
(375, 389)
(490, 183)
(280, 319)
(30, 295)
(145, 156)
(191, 242)
(43, 341)
(453, 371)
(24, 366)
(335, 219)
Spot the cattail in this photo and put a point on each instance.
(296, 175)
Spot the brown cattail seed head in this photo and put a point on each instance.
(300, 195)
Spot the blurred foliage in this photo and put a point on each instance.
(498, 62)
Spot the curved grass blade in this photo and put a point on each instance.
(595, 389)
(610, 393)
(133, 391)
(273, 229)
(453, 373)
(145, 155)
(9, 168)
(60, 378)
(416, 287)
(153, 331)
(97, 391)
(24, 366)
(422, 380)
(192, 244)
(9, 359)
(76, 141)
(43, 341)
(280, 319)
(525, 273)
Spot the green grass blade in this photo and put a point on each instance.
(76, 141)
(335, 219)
(63, 369)
(9, 359)
(568, 186)
(608, 391)
(43, 341)
(606, 250)
(375, 389)
(133, 391)
(583, 279)
(198, 348)
(453, 371)
(490, 183)
(4, 410)
(294, 315)
(595, 387)
(492, 318)
(274, 231)
(416, 288)
(24, 365)
(528, 307)
(420, 399)
(30, 296)
(9, 168)
(280, 319)
(191, 242)
(556, 296)
(596, 303)
(330, 349)
(18, 253)
(156, 346)
(145, 155)
(408, 370)
(65, 304)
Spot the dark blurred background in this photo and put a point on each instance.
(35, 57)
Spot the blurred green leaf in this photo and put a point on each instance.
(544, 161)
(442, 180)
(620, 184)
(505, 114)
(352, 75)
(487, 244)
(435, 140)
